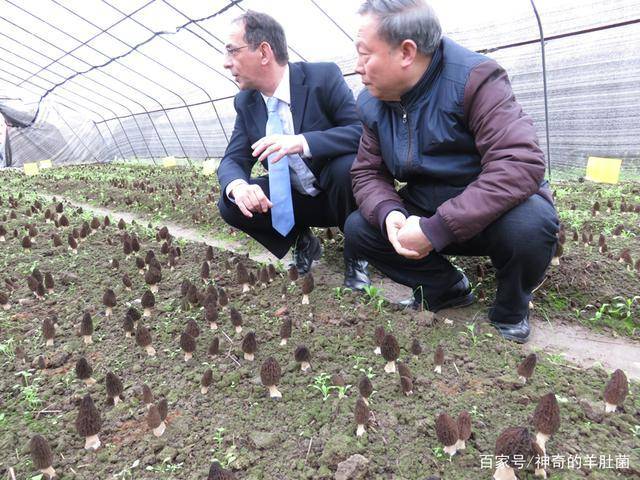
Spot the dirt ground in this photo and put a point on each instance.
(307, 434)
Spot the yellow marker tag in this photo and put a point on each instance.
(209, 167)
(603, 170)
(31, 169)
(169, 162)
(45, 164)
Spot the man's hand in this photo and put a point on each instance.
(250, 198)
(279, 145)
(394, 222)
(412, 238)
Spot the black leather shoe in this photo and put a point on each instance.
(517, 332)
(306, 249)
(356, 274)
(457, 296)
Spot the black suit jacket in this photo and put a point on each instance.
(322, 107)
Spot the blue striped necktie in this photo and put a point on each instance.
(279, 181)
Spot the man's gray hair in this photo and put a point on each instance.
(401, 20)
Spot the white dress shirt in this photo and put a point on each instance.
(302, 178)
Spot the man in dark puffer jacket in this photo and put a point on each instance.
(444, 120)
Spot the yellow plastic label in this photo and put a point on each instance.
(169, 162)
(209, 167)
(31, 169)
(603, 170)
(45, 164)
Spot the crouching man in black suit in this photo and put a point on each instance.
(299, 120)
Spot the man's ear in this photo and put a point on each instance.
(266, 53)
(408, 52)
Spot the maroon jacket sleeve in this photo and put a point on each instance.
(511, 160)
(373, 184)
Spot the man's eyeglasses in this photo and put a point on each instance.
(233, 51)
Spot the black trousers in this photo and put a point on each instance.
(520, 245)
(330, 208)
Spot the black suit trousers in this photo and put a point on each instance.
(330, 208)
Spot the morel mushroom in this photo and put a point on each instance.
(216, 472)
(303, 357)
(214, 347)
(263, 276)
(109, 301)
(361, 416)
(126, 281)
(155, 421)
(464, 430)
(140, 265)
(153, 278)
(223, 299)
(128, 325)
(147, 396)
(206, 381)
(192, 328)
(555, 261)
(205, 272)
(526, 368)
(270, 375)
(379, 335)
(271, 269)
(242, 276)
(4, 301)
(438, 359)
(211, 316)
(84, 371)
(236, 319)
(48, 282)
(147, 301)
(88, 423)
(249, 346)
(26, 244)
(390, 351)
(416, 348)
(293, 274)
(616, 391)
(406, 384)
(114, 388)
(546, 419)
(366, 388)
(73, 244)
(188, 345)
(307, 287)
(42, 456)
(285, 331)
(447, 432)
(514, 447)
(48, 331)
(143, 338)
(86, 328)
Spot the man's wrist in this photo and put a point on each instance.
(233, 184)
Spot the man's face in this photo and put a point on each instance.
(243, 63)
(378, 62)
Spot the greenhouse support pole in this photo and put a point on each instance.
(544, 86)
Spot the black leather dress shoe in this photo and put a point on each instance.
(457, 296)
(305, 251)
(356, 274)
(517, 332)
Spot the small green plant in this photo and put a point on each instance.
(8, 349)
(229, 458)
(339, 292)
(471, 333)
(219, 436)
(342, 390)
(556, 358)
(321, 383)
(28, 393)
(438, 452)
(165, 467)
(373, 296)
